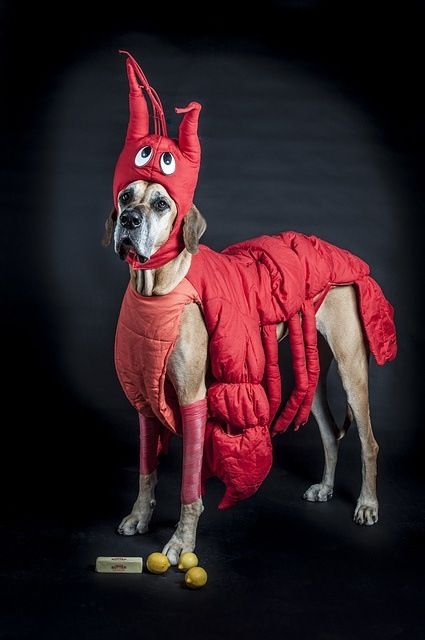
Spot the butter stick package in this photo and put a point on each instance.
(118, 564)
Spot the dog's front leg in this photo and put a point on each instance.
(138, 520)
(186, 369)
(194, 417)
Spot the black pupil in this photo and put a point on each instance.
(125, 197)
(168, 157)
(146, 152)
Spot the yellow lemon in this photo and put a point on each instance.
(196, 577)
(157, 562)
(187, 560)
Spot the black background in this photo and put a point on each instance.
(312, 120)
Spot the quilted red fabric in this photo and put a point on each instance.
(243, 292)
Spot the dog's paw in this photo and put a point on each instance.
(174, 547)
(132, 524)
(318, 493)
(366, 513)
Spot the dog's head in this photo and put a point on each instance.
(144, 220)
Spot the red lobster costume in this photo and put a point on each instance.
(243, 292)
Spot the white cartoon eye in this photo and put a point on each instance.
(143, 156)
(167, 163)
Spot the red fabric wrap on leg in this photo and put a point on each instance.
(194, 419)
(149, 434)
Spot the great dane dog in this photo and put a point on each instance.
(340, 336)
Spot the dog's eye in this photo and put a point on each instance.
(161, 205)
(143, 156)
(125, 197)
(167, 163)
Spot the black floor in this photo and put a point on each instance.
(277, 565)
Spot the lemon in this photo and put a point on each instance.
(157, 562)
(196, 577)
(187, 561)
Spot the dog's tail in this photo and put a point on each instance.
(347, 422)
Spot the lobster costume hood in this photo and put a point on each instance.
(243, 292)
(155, 157)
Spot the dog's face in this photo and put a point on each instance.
(144, 220)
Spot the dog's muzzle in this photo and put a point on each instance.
(129, 222)
(126, 248)
(130, 219)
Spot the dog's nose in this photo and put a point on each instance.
(130, 219)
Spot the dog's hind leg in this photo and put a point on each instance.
(339, 320)
(354, 375)
(138, 520)
(187, 370)
(329, 432)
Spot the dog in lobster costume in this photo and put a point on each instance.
(196, 347)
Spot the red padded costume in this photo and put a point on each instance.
(243, 292)
(256, 284)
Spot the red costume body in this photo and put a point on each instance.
(243, 292)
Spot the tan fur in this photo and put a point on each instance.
(340, 337)
(187, 364)
(139, 518)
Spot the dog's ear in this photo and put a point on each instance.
(109, 228)
(193, 228)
